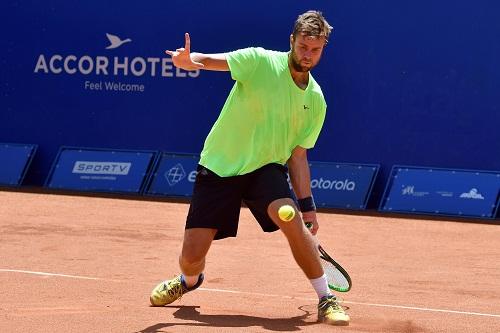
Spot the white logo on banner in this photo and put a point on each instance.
(175, 174)
(105, 66)
(445, 194)
(472, 194)
(410, 190)
(115, 41)
(338, 185)
(327, 184)
(102, 168)
(105, 170)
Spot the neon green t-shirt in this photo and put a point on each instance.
(265, 116)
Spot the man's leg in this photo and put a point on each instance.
(195, 247)
(304, 250)
(213, 214)
(301, 241)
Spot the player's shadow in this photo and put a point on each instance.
(227, 320)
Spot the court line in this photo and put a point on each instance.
(50, 274)
(264, 295)
(80, 277)
(359, 303)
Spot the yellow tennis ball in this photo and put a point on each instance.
(286, 213)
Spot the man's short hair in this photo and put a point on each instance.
(312, 23)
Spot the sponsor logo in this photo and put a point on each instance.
(410, 190)
(472, 194)
(106, 66)
(102, 168)
(115, 41)
(338, 185)
(175, 174)
(445, 194)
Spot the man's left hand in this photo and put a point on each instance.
(311, 217)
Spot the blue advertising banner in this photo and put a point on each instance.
(333, 184)
(465, 193)
(101, 170)
(15, 160)
(342, 185)
(174, 175)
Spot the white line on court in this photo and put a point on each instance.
(264, 295)
(358, 303)
(50, 274)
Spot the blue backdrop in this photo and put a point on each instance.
(406, 82)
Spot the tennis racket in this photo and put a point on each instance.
(337, 277)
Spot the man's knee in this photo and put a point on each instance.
(273, 212)
(196, 244)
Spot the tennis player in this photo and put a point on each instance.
(273, 114)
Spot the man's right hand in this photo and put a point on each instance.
(181, 57)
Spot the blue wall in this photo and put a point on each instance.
(406, 82)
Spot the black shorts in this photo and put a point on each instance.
(216, 200)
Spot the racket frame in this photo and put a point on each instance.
(325, 256)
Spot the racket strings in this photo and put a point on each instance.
(334, 276)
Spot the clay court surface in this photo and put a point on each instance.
(87, 264)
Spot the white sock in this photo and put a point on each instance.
(191, 280)
(320, 285)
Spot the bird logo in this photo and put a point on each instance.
(116, 41)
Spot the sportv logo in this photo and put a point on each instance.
(105, 65)
(338, 185)
(102, 168)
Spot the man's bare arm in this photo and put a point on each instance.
(183, 58)
(300, 177)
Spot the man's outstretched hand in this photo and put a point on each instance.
(181, 57)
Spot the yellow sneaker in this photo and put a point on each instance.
(330, 312)
(171, 290)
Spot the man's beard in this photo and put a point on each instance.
(297, 66)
